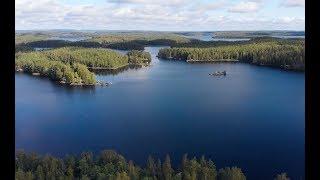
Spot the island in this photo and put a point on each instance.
(72, 65)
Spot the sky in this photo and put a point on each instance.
(160, 15)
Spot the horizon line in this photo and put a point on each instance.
(60, 29)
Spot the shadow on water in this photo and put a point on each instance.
(116, 71)
(58, 86)
(72, 89)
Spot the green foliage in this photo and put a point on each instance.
(83, 72)
(151, 167)
(248, 34)
(124, 41)
(24, 38)
(142, 37)
(139, 57)
(289, 54)
(201, 169)
(233, 173)
(70, 64)
(112, 166)
(166, 168)
(91, 57)
(282, 176)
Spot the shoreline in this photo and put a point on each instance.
(98, 83)
(282, 67)
(210, 61)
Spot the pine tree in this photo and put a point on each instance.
(282, 176)
(166, 168)
(151, 169)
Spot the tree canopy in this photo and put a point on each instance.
(288, 54)
(111, 165)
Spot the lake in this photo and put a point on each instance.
(252, 118)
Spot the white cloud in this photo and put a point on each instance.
(293, 3)
(289, 20)
(154, 2)
(204, 7)
(57, 14)
(245, 7)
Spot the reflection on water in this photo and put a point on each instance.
(102, 72)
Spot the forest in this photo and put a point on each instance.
(251, 34)
(287, 54)
(128, 45)
(139, 57)
(71, 65)
(122, 41)
(112, 166)
(72, 74)
(29, 37)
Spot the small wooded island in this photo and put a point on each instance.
(70, 65)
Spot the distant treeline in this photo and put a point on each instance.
(29, 37)
(250, 34)
(288, 54)
(206, 44)
(128, 45)
(122, 41)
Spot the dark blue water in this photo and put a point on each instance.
(253, 118)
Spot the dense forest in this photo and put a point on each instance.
(288, 54)
(251, 34)
(29, 37)
(206, 44)
(40, 64)
(70, 64)
(112, 166)
(123, 41)
(128, 45)
(142, 36)
(139, 57)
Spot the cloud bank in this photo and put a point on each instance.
(170, 15)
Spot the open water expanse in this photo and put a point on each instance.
(252, 118)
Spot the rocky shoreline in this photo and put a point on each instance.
(63, 82)
(98, 83)
(298, 68)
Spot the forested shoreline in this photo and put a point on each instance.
(286, 54)
(127, 45)
(113, 166)
(69, 62)
(121, 41)
(70, 65)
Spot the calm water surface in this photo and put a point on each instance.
(252, 118)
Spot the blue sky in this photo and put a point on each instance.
(161, 15)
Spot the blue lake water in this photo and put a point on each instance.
(252, 118)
